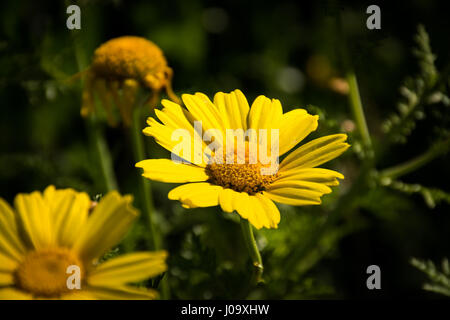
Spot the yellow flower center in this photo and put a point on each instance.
(241, 177)
(44, 272)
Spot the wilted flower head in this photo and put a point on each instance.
(119, 67)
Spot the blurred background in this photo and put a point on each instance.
(286, 50)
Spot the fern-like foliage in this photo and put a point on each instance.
(439, 281)
(431, 196)
(416, 92)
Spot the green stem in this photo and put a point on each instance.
(357, 109)
(146, 190)
(144, 184)
(249, 238)
(95, 130)
(354, 96)
(103, 154)
(417, 162)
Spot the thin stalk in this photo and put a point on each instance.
(357, 108)
(103, 154)
(417, 162)
(144, 184)
(146, 190)
(354, 96)
(247, 232)
(94, 128)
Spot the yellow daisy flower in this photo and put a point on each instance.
(242, 187)
(51, 236)
(119, 67)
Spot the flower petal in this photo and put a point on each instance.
(299, 184)
(79, 295)
(294, 126)
(176, 126)
(257, 209)
(11, 247)
(195, 195)
(265, 113)
(233, 108)
(35, 217)
(294, 196)
(14, 294)
(6, 279)
(8, 264)
(129, 268)
(122, 293)
(318, 175)
(106, 226)
(70, 212)
(316, 152)
(166, 170)
(202, 109)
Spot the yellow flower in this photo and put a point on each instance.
(119, 67)
(51, 236)
(242, 187)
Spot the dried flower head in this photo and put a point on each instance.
(119, 68)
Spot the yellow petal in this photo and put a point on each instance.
(257, 209)
(265, 113)
(174, 119)
(202, 109)
(79, 295)
(166, 170)
(70, 211)
(234, 108)
(316, 152)
(14, 294)
(318, 175)
(262, 212)
(177, 140)
(6, 279)
(294, 196)
(270, 211)
(299, 184)
(11, 247)
(106, 226)
(35, 217)
(294, 126)
(8, 264)
(122, 293)
(129, 268)
(226, 198)
(195, 195)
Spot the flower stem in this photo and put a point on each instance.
(249, 238)
(144, 184)
(146, 190)
(357, 108)
(354, 96)
(103, 154)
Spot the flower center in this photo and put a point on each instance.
(240, 172)
(44, 272)
(239, 177)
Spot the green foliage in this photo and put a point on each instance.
(417, 92)
(439, 280)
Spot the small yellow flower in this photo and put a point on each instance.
(235, 186)
(51, 232)
(119, 67)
